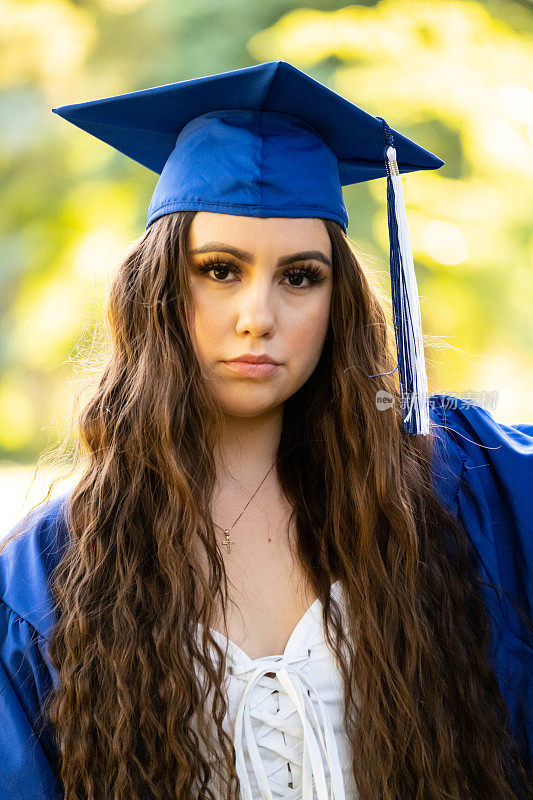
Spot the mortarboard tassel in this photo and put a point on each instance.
(405, 301)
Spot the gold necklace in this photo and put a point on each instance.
(229, 541)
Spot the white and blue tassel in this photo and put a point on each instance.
(405, 302)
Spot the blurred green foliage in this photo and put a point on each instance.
(455, 75)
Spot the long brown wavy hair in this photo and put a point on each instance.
(422, 707)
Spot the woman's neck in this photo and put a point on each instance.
(248, 448)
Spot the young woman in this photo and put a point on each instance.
(263, 586)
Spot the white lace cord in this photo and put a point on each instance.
(409, 306)
(312, 756)
(330, 745)
(261, 776)
(312, 763)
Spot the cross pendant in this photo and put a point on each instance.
(228, 541)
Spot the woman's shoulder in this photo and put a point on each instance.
(28, 559)
(482, 470)
(28, 750)
(475, 453)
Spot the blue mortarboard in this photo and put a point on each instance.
(270, 141)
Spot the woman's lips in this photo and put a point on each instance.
(250, 370)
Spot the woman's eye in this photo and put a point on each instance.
(312, 274)
(217, 268)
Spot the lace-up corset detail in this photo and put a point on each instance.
(287, 718)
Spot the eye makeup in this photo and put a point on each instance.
(314, 274)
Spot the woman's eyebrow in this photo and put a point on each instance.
(244, 255)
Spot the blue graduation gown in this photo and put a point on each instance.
(481, 469)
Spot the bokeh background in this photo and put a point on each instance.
(454, 75)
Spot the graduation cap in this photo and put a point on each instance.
(270, 141)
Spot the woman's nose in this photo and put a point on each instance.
(255, 309)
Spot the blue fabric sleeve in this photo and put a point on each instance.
(483, 470)
(27, 748)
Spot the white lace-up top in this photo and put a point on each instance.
(288, 729)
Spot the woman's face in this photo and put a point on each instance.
(252, 293)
